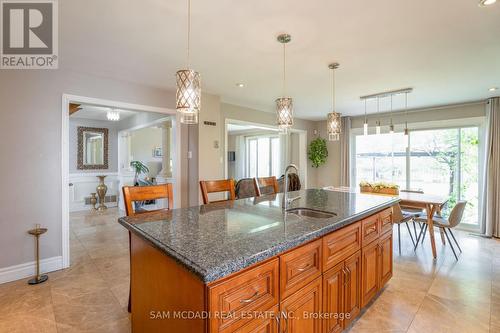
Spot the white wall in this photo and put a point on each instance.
(74, 123)
(142, 143)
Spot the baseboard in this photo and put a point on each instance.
(26, 270)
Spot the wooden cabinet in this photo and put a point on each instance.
(369, 280)
(342, 294)
(376, 263)
(253, 290)
(268, 324)
(340, 244)
(333, 298)
(299, 267)
(352, 290)
(300, 310)
(370, 229)
(385, 258)
(385, 221)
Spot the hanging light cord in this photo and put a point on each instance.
(391, 109)
(188, 31)
(406, 110)
(284, 69)
(365, 112)
(378, 109)
(333, 89)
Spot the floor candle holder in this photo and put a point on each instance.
(39, 278)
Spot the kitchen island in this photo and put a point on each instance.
(247, 266)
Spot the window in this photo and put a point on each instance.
(439, 161)
(263, 154)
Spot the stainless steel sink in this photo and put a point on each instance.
(306, 212)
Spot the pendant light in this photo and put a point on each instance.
(391, 126)
(284, 105)
(377, 129)
(334, 122)
(406, 115)
(365, 125)
(188, 86)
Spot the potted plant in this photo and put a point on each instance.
(379, 188)
(318, 152)
(139, 169)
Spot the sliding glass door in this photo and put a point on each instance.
(439, 161)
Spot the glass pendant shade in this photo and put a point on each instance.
(188, 95)
(334, 126)
(365, 128)
(284, 112)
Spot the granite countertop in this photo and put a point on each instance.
(215, 240)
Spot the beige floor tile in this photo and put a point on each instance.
(442, 315)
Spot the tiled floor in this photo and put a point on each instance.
(423, 295)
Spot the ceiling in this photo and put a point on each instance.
(447, 50)
(99, 113)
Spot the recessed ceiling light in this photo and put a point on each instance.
(240, 85)
(484, 3)
(493, 89)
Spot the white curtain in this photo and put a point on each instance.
(490, 210)
(345, 157)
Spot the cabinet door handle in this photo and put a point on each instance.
(303, 268)
(251, 299)
(348, 275)
(345, 276)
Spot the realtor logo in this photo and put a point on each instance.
(29, 34)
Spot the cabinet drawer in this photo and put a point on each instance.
(265, 324)
(386, 221)
(299, 267)
(341, 244)
(370, 229)
(253, 290)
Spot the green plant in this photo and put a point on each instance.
(139, 168)
(318, 152)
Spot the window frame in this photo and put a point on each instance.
(247, 153)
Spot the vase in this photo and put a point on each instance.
(101, 190)
(93, 200)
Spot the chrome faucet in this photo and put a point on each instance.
(286, 200)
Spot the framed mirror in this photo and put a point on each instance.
(92, 148)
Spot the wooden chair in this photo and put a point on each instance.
(144, 193)
(268, 182)
(217, 186)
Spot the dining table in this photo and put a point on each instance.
(432, 205)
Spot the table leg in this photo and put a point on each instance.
(442, 236)
(431, 209)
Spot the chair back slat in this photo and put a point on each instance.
(270, 182)
(145, 193)
(217, 186)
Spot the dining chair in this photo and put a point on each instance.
(268, 185)
(445, 225)
(412, 210)
(217, 186)
(400, 217)
(132, 194)
(246, 188)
